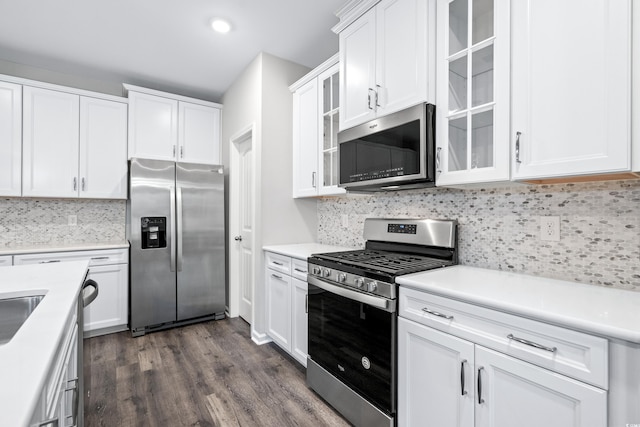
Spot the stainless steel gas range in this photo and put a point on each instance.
(352, 303)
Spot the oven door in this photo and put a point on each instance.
(352, 336)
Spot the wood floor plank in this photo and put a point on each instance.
(208, 374)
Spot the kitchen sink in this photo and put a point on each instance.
(14, 312)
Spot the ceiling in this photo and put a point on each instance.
(165, 44)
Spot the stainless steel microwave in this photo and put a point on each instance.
(393, 152)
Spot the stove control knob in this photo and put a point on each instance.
(372, 286)
(327, 272)
(316, 271)
(342, 277)
(359, 282)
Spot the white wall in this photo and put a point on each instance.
(260, 96)
(53, 77)
(300, 223)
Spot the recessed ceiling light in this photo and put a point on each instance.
(220, 25)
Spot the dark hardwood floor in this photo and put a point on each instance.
(208, 374)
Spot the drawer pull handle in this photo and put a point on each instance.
(462, 390)
(276, 276)
(278, 263)
(300, 271)
(99, 257)
(50, 261)
(435, 313)
(532, 344)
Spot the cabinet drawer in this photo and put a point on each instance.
(299, 269)
(278, 262)
(575, 354)
(97, 257)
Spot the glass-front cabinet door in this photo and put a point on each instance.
(329, 86)
(472, 107)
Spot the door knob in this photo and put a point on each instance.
(238, 238)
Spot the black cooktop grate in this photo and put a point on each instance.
(388, 262)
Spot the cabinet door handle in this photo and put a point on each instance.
(306, 303)
(480, 399)
(435, 313)
(49, 262)
(174, 151)
(182, 152)
(299, 270)
(532, 344)
(377, 96)
(438, 151)
(75, 183)
(462, 390)
(276, 276)
(82, 185)
(369, 98)
(313, 179)
(278, 263)
(99, 257)
(518, 147)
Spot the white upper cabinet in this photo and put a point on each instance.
(384, 60)
(571, 87)
(73, 146)
(316, 113)
(50, 143)
(153, 126)
(329, 109)
(165, 126)
(10, 139)
(472, 141)
(199, 133)
(305, 140)
(103, 149)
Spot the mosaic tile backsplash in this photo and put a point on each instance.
(32, 222)
(500, 228)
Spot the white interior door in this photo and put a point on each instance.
(242, 275)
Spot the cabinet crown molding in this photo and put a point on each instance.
(352, 11)
(315, 72)
(132, 88)
(59, 88)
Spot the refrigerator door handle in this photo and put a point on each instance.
(179, 228)
(172, 228)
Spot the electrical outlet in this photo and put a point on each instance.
(345, 220)
(550, 228)
(72, 220)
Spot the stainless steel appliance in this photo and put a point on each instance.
(352, 303)
(393, 152)
(176, 230)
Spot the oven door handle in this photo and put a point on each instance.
(374, 301)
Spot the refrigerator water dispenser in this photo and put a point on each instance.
(154, 232)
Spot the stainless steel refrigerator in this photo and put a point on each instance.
(176, 230)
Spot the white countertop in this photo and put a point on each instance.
(613, 313)
(26, 360)
(304, 250)
(61, 247)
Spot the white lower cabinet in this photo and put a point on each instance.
(516, 393)
(286, 290)
(448, 380)
(58, 404)
(109, 312)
